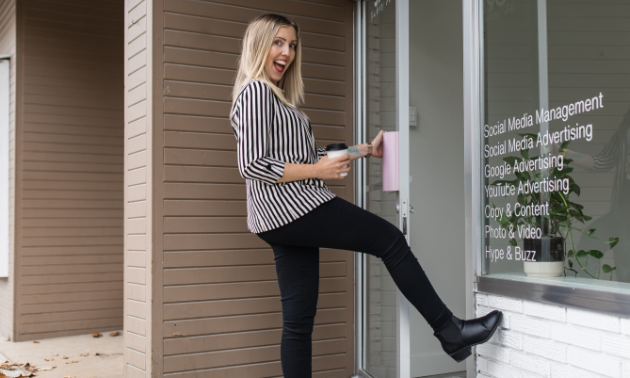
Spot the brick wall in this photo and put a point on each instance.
(544, 341)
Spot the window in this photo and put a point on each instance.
(556, 142)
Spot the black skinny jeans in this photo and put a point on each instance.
(338, 224)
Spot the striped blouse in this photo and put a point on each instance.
(268, 134)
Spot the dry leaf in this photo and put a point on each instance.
(15, 374)
(35, 342)
(96, 334)
(64, 358)
(114, 333)
(69, 376)
(49, 368)
(84, 354)
(176, 334)
(49, 359)
(72, 362)
(97, 354)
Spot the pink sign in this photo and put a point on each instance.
(390, 162)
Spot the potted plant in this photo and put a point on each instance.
(556, 229)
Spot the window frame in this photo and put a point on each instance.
(587, 299)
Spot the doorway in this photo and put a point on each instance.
(426, 82)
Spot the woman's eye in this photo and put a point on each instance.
(278, 43)
(292, 46)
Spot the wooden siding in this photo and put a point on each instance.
(69, 187)
(221, 307)
(7, 47)
(138, 208)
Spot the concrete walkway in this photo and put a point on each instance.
(100, 357)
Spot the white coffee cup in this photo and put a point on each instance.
(337, 149)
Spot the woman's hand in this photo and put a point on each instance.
(377, 145)
(330, 168)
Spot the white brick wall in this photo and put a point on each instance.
(543, 341)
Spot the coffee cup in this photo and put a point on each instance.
(337, 149)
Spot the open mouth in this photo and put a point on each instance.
(279, 65)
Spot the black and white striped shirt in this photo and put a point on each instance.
(268, 134)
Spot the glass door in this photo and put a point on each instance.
(384, 317)
(411, 63)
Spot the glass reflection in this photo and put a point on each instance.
(381, 115)
(555, 140)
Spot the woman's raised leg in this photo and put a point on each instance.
(339, 224)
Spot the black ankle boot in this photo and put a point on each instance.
(457, 336)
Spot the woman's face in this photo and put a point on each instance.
(282, 54)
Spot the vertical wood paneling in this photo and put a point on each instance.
(138, 208)
(221, 306)
(8, 47)
(69, 168)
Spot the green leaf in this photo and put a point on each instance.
(570, 254)
(512, 159)
(533, 136)
(564, 224)
(575, 188)
(613, 242)
(581, 253)
(513, 242)
(591, 231)
(525, 154)
(576, 206)
(597, 254)
(523, 176)
(571, 264)
(607, 268)
(564, 145)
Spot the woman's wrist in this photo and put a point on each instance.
(296, 172)
(313, 171)
(358, 151)
(567, 153)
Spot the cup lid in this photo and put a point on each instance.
(336, 147)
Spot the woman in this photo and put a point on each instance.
(291, 209)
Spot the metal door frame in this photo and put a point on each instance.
(472, 21)
(403, 350)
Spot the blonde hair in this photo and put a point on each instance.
(257, 43)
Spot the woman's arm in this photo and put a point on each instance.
(604, 161)
(325, 168)
(361, 150)
(581, 160)
(253, 115)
